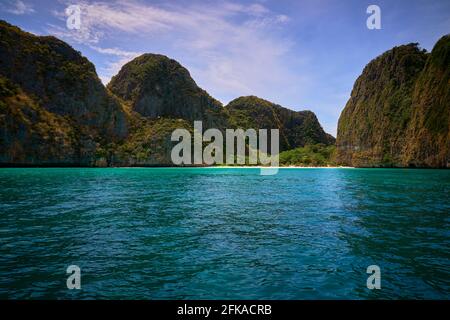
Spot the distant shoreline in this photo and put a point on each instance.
(284, 167)
(6, 166)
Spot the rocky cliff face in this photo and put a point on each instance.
(159, 87)
(398, 112)
(54, 109)
(297, 128)
(428, 134)
(31, 135)
(162, 95)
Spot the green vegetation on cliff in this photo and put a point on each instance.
(156, 86)
(297, 128)
(61, 80)
(398, 112)
(55, 111)
(29, 133)
(428, 134)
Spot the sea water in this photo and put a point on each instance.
(224, 233)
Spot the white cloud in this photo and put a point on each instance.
(20, 8)
(230, 48)
(116, 52)
(99, 19)
(113, 67)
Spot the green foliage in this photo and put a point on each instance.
(156, 86)
(309, 155)
(53, 104)
(296, 128)
(149, 141)
(7, 88)
(398, 113)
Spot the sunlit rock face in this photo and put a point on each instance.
(54, 109)
(398, 112)
(157, 86)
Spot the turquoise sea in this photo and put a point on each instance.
(224, 233)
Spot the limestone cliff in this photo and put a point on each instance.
(297, 128)
(398, 112)
(54, 109)
(159, 87)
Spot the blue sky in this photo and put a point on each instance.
(302, 54)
